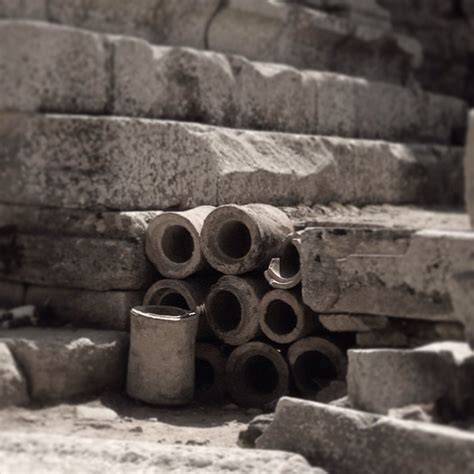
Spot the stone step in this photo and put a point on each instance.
(61, 364)
(77, 249)
(67, 70)
(54, 453)
(129, 164)
(264, 31)
(389, 272)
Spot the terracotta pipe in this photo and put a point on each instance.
(210, 373)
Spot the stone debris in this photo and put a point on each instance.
(60, 364)
(349, 441)
(382, 379)
(85, 412)
(55, 454)
(13, 383)
(19, 317)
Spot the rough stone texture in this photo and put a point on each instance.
(202, 164)
(95, 264)
(34, 9)
(13, 384)
(383, 272)
(60, 364)
(381, 379)
(83, 308)
(49, 68)
(469, 169)
(185, 84)
(353, 323)
(11, 294)
(56, 454)
(284, 33)
(161, 363)
(255, 429)
(411, 333)
(352, 442)
(461, 289)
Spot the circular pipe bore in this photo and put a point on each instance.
(315, 363)
(239, 239)
(231, 308)
(172, 242)
(290, 261)
(284, 318)
(256, 374)
(210, 373)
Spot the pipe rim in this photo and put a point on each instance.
(170, 313)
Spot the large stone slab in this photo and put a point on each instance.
(13, 384)
(49, 160)
(352, 442)
(50, 68)
(469, 169)
(287, 33)
(135, 78)
(75, 248)
(28, 452)
(61, 364)
(381, 379)
(383, 272)
(84, 308)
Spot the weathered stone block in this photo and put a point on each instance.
(84, 308)
(349, 442)
(55, 453)
(13, 384)
(50, 68)
(353, 323)
(381, 379)
(45, 159)
(382, 272)
(60, 364)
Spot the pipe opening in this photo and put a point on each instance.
(177, 244)
(174, 299)
(260, 375)
(234, 239)
(225, 310)
(205, 376)
(314, 371)
(289, 261)
(280, 317)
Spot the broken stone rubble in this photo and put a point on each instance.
(13, 383)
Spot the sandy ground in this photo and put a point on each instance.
(117, 417)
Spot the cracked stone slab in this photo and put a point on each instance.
(49, 160)
(85, 308)
(388, 272)
(284, 33)
(348, 441)
(55, 454)
(61, 364)
(381, 379)
(13, 384)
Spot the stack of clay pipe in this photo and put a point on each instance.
(239, 268)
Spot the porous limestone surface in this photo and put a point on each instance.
(61, 364)
(381, 379)
(115, 163)
(351, 442)
(13, 384)
(57, 454)
(386, 272)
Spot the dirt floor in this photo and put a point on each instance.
(117, 417)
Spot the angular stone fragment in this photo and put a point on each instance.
(44, 67)
(45, 158)
(383, 272)
(349, 441)
(60, 364)
(85, 308)
(13, 384)
(381, 379)
(11, 294)
(282, 33)
(255, 429)
(353, 323)
(54, 453)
